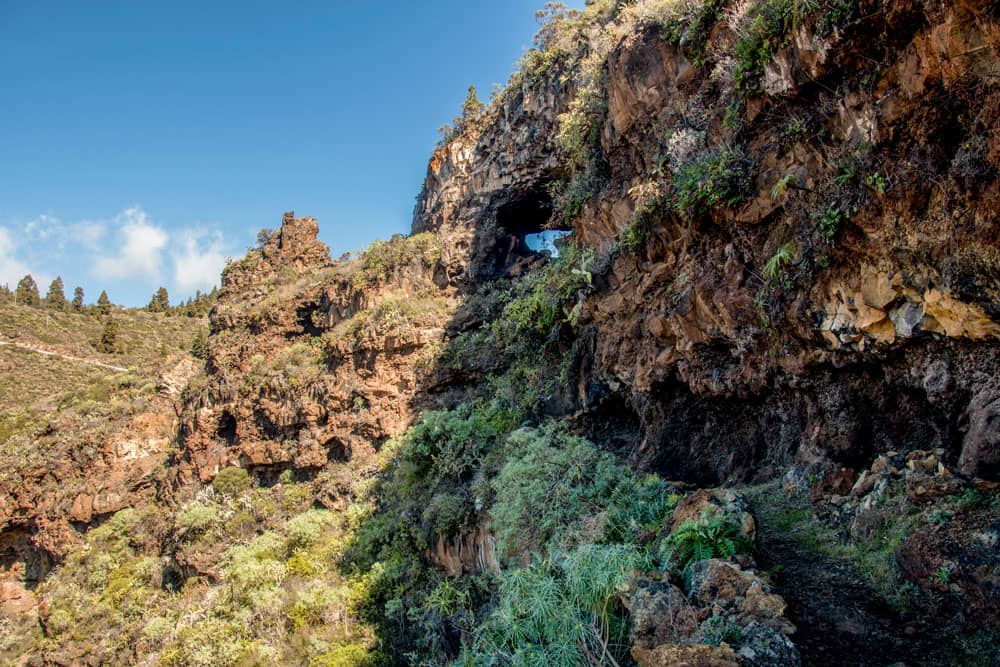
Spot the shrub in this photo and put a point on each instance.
(782, 257)
(712, 178)
(551, 481)
(231, 481)
(383, 259)
(558, 612)
(633, 236)
(307, 528)
(830, 220)
(198, 518)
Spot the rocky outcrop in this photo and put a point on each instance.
(727, 613)
(312, 361)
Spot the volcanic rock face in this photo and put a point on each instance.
(338, 389)
(80, 474)
(731, 369)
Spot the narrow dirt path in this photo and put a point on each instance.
(50, 353)
(842, 621)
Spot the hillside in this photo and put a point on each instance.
(747, 416)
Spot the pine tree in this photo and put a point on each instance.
(56, 297)
(27, 292)
(108, 344)
(6, 296)
(104, 303)
(472, 112)
(199, 347)
(472, 109)
(160, 303)
(78, 299)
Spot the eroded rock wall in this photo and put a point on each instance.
(844, 304)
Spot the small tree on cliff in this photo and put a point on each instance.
(78, 299)
(199, 346)
(160, 303)
(472, 109)
(27, 292)
(104, 303)
(56, 297)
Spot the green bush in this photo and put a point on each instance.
(198, 518)
(231, 481)
(551, 482)
(383, 259)
(718, 177)
(558, 612)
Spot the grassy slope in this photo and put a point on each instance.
(34, 386)
(143, 335)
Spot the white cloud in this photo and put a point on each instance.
(129, 255)
(88, 233)
(198, 261)
(140, 252)
(43, 227)
(11, 269)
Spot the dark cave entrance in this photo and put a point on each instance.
(21, 560)
(227, 428)
(526, 218)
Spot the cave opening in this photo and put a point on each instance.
(21, 560)
(528, 221)
(227, 428)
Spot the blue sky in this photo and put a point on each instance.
(141, 143)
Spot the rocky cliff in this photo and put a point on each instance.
(780, 275)
(796, 263)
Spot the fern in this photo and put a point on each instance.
(781, 258)
(711, 536)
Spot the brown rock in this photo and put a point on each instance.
(981, 446)
(659, 612)
(686, 655)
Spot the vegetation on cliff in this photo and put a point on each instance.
(781, 280)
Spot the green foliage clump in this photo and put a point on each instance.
(691, 29)
(199, 346)
(837, 14)
(558, 41)
(56, 296)
(633, 236)
(198, 518)
(276, 594)
(160, 301)
(830, 220)
(766, 29)
(231, 481)
(26, 293)
(541, 304)
(77, 299)
(552, 481)
(560, 611)
(104, 304)
(713, 535)
(381, 261)
(108, 342)
(712, 178)
(780, 260)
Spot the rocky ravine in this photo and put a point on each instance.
(792, 286)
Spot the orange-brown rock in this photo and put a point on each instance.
(686, 655)
(726, 373)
